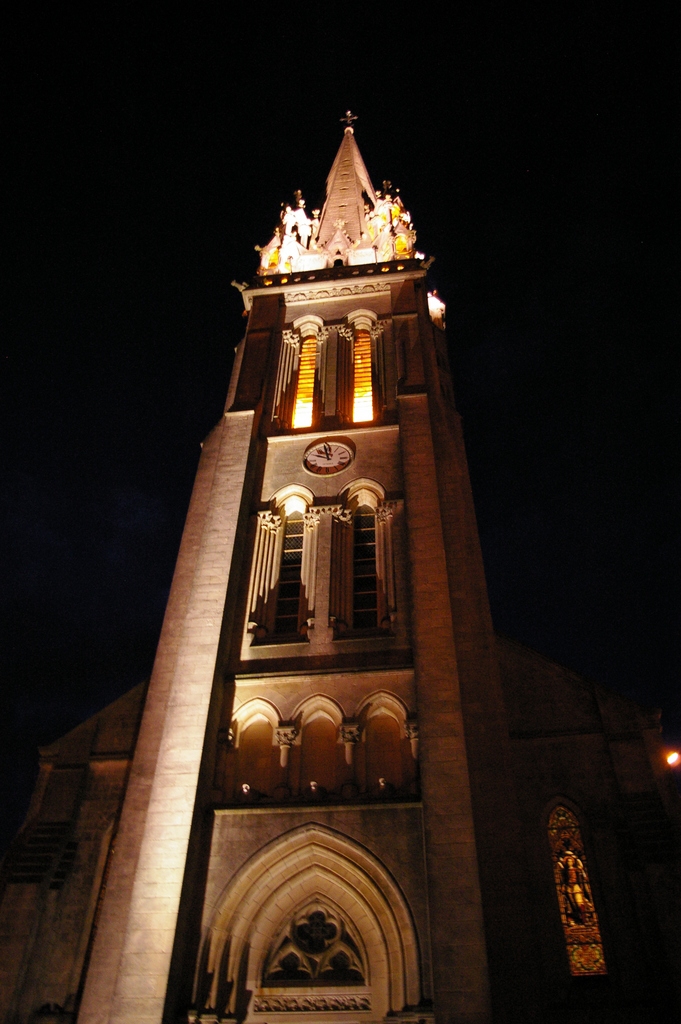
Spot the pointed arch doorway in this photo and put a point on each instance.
(313, 924)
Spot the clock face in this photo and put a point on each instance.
(327, 457)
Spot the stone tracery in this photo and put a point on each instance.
(318, 948)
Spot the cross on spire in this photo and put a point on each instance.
(348, 119)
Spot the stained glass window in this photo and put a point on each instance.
(575, 897)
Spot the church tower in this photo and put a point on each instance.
(348, 801)
(303, 765)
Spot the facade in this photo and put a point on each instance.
(342, 797)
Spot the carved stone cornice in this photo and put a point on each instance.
(337, 291)
(327, 510)
(343, 515)
(310, 1003)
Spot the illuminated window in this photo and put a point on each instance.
(362, 406)
(290, 583)
(360, 379)
(575, 896)
(302, 412)
(299, 387)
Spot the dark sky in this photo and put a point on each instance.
(147, 155)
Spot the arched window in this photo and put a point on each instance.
(360, 383)
(307, 361)
(319, 754)
(362, 593)
(575, 895)
(364, 578)
(299, 387)
(362, 391)
(255, 756)
(287, 616)
(383, 751)
(281, 594)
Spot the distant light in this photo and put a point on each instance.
(673, 758)
(419, 255)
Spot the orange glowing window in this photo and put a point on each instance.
(575, 896)
(302, 412)
(363, 403)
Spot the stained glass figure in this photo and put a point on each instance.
(575, 898)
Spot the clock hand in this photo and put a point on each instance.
(327, 451)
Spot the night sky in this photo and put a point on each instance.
(147, 155)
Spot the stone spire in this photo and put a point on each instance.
(356, 226)
(347, 184)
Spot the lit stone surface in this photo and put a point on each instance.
(128, 974)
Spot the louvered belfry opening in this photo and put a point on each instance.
(365, 581)
(304, 406)
(288, 596)
(363, 402)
